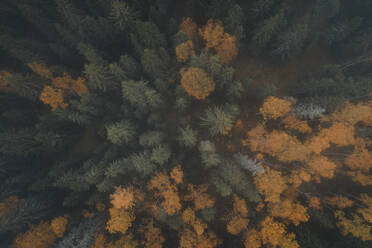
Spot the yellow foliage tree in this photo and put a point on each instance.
(288, 210)
(9, 204)
(40, 236)
(252, 239)
(168, 191)
(196, 82)
(188, 217)
(227, 50)
(188, 26)
(120, 220)
(199, 197)
(4, 75)
(274, 233)
(153, 236)
(189, 239)
(59, 225)
(274, 107)
(320, 165)
(41, 69)
(339, 202)
(177, 174)
(292, 122)
(53, 97)
(355, 226)
(314, 203)
(271, 184)
(123, 197)
(185, 50)
(366, 212)
(212, 33)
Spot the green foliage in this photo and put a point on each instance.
(187, 136)
(234, 22)
(142, 163)
(160, 154)
(152, 63)
(140, 95)
(151, 138)
(122, 14)
(120, 132)
(326, 9)
(292, 42)
(220, 119)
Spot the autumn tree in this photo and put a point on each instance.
(238, 221)
(196, 82)
(166, 190)
(291, 211)
(53, 97)
(274, 233)
(153, 235)
(271, 184)
(198, 196)
(274, 107)
(59, 225)
(188, 26)
(120, 220)
(184, 51)
(123, 197)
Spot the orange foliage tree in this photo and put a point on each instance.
(177, 174)
(215, 37)
(3, 78)
(196, 82)
(184, 51)
(238, 222)
(288, 210)
(355, 226)
(271, 184)
(274, 107)
(188, 26)
(123, 197)
(252, 239)
(167, 190)
(9, 204)
(339, 202)
(275, 234)
(189, 239)
(199, 197)
(120, 220)
(53, 97)
(153, 236)
(188, 217)
(42, 235)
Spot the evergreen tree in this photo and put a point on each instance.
(220, 119)
(120, 132)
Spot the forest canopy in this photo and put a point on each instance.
(190, 124)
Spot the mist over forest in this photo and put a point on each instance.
(185, 124)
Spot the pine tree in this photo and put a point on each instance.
(120, 132)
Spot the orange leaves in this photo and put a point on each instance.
(199, 197)
(288, 210)
(188, 26)
(215, 37)
(366, 212)
(120, 220)
(196, 82)
(291, 122)
(274, 107)
(361, 178)
(3, 78)
(339, 202)
(238, 221)
(189, 239)
(9, 204)
(153, 236)
(252, 239)
(274, 233)
(59, 226)
(355, 226)
(352, 113)
(361, 158)
(271, 184)
(41, 69)
(184, 51)
(168, 191)
(42, 235)
(320, 165)
(314, 203)
(188, 217)
(177, 174)
(53, 97)
(212, 33)
(340, 133)
(123, 198)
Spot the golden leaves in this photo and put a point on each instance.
(271, 184)
(274, 107)
(40, 236)
(320, 165)
(123, 198)
(3, 78)
(199, 197)
(188, 26)
(184, 51)
(53, 97)
(9, 204)
(167, 190)
(197, 83)
(288, 210)
(177, 174)
(153, 236)
(339, 202)
(238, 221)
(120, 220)
(59, 226)
(275, 234)
(355, 226)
